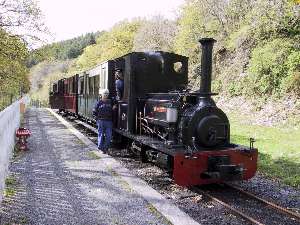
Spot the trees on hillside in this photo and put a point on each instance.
(243, 30)
(155, 34)
(111, 44)
(13, 72)
(63, 50)
(20, 24)
(241, 27)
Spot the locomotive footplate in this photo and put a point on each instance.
(207, 167)
(153, 143)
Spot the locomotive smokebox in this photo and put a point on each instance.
(206, 65)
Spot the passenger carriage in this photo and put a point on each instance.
(63, 95)
(89, 84)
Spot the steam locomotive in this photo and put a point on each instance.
(159, 120)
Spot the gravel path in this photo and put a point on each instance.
(59, 181)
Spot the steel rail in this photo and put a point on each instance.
(235, 211)
(271, 204)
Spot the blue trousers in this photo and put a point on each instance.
(104, 134)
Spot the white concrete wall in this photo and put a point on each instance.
(9, 122)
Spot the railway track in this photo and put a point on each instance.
(246, 205)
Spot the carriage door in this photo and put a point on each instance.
(86, 94)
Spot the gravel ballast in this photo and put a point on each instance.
(59, 181)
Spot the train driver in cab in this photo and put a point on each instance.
(103, 114)
(119, 78)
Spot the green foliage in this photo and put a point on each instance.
(10, 186)
(217, 86)
(234, 89)
(292, 82)
(256, 52)
(243, 30)
(114, 43)
(10, 181)
(270, 64)
(13, 55)
(190, 29)
(63, 50)
(93, 155)
(271, 19)
(238, 37)
(156, 34)
(45, 73)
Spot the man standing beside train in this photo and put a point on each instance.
(103, 113)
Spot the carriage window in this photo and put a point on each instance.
(60, 87)
(81, 85)
(96, 85)
(103, 78)
(91, 85)
(178, 67)
(66, 89)
(55, 88)
(71, 86)
(74, 85)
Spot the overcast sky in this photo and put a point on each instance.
(70, 18)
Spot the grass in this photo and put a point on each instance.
(10, 184)
(154, 211)
(93, 155)
(9, 192)
(122, 182)
(279, 148)
(80, 142)
(17, 152)
(10, 181)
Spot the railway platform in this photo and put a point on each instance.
(63, 179)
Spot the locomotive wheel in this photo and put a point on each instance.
(143, 156)
(120, 142)
(139, 151)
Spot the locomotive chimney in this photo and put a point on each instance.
(206, 65)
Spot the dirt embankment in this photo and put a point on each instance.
(284, 112)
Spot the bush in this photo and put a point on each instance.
(271, 19)
(292, 82)
(269, 66)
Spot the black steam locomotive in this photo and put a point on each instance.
(159, 120)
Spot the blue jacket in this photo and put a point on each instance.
(103, 110)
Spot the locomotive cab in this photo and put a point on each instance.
(147, 72)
